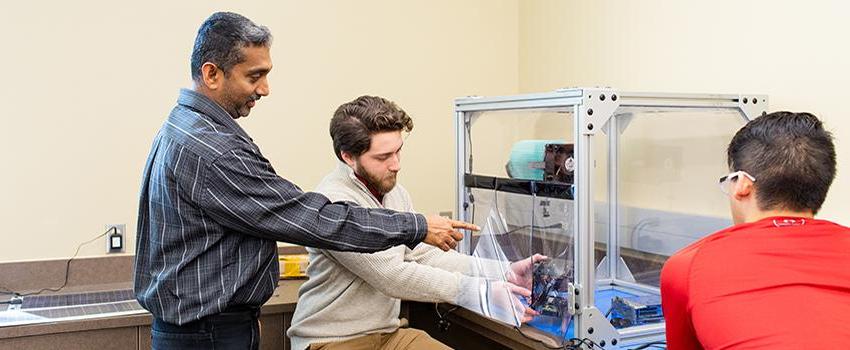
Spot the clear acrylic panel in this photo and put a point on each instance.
(525, 158)
(511, 143)
(669, 160)
(514, 211)
(554, 237)
(497, 298)
(665, 166)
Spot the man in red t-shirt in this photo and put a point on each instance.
(778, 279)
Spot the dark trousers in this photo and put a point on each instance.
(236, 328)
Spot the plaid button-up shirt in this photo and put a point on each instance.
(211, 208)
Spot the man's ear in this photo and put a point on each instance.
(211, 75)
(348, 158)
(742, 188)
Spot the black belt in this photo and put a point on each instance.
(236, 313)
(235, 309)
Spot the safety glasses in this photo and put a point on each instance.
(726, 181)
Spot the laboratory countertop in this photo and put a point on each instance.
(282, 301)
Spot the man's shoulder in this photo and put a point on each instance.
(340, 194)
(338, 188)
(830, 226)
(401, 190)
(677, 267)
(400, 199)
(201, 134)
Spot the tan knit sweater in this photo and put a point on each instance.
(353, 294)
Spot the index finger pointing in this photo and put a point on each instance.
(465, 225)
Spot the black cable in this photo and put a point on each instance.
(468, 127)
(651, 344)
(472, 202)
(5, 290)
(588, 342)
(442, 316)
(442, 319)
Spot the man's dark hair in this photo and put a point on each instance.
(221, 38)
(354, 123)
(791, 156)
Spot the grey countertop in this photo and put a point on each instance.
(282, 301)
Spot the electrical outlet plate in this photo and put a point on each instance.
(120, 230)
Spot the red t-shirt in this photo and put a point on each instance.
(778, 283)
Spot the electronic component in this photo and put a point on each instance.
(635, 311)
(115, 239)
(542, 160)
(559, 163)
(549, 294)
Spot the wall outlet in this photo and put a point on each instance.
(115, 238)
(446, 214)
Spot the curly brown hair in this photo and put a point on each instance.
(354, 123)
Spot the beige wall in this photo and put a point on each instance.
(86, 85)
(793, 51)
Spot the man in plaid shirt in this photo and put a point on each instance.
(212, 207)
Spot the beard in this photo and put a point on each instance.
(381, 185)
(243, 107)
(239, 106)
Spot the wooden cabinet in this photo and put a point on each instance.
(100, 339)
(273, 337)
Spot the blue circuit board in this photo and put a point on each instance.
(563, 328)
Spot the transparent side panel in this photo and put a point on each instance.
(514, 213)
(497, 284)
(513, 143)
(554, 237)
(521, 187)
(517, 226)
(666, 165)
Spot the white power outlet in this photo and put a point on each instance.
(115, 238)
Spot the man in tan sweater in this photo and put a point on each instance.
(352, 300)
